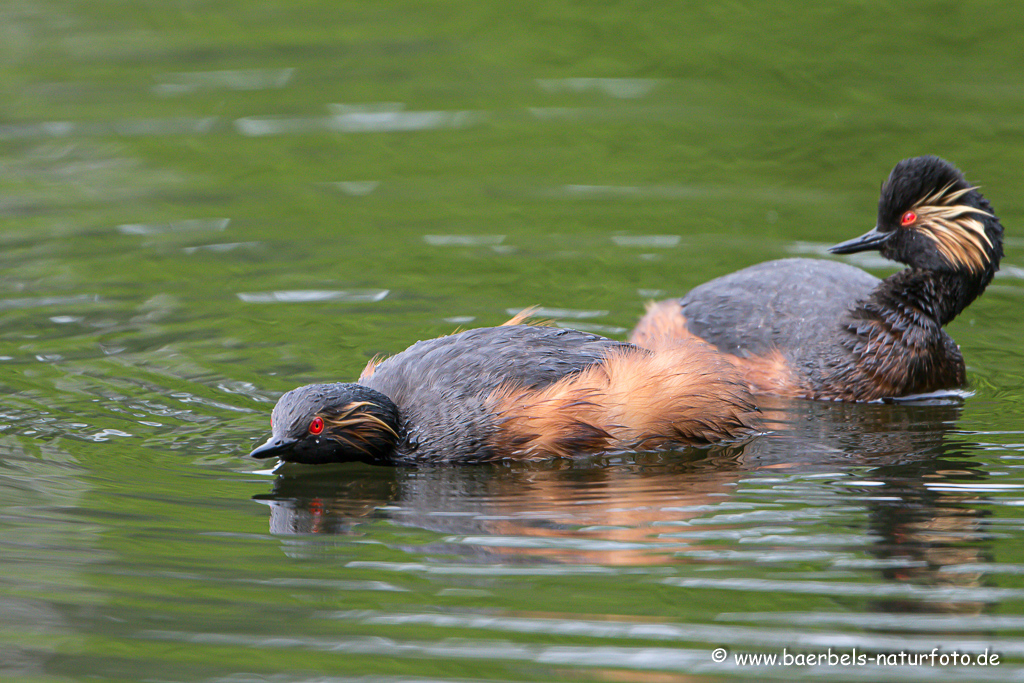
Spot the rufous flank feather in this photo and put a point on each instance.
(635, 400)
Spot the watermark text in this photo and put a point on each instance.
(855, 657)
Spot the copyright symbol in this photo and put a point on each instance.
(718, 655)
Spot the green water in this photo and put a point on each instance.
(205, 204)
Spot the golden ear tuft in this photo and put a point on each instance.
(357, 429)
(955, 229)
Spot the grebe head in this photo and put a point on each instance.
(320, 423)
(931, 218)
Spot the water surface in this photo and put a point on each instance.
(203, 206)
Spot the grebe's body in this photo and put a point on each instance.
(516, 391)
(821, 329)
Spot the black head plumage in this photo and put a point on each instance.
(320, 423)
(930, 217)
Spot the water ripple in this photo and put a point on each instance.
(183, 83)
(626, 88)
(570, 313)
(493, 569)
(463, 240)
(881, 621)
(191, 225)
(358, 122)
(38, 302)
(305, 296)
(869, 590)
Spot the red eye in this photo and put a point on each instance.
(316, 426)
(908, 218)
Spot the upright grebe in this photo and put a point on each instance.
(822, 329)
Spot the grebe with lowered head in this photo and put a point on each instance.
(513, 392)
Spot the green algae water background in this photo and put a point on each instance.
(205, 204)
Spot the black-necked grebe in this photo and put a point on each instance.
(515, 391)
(821, 329)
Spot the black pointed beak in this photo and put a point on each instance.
(872, 239)
(273, 446)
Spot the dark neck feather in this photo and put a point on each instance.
(896, 343)
(939, 296)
